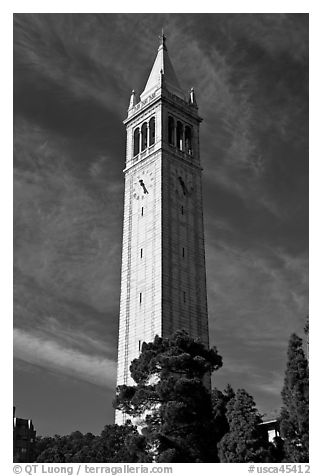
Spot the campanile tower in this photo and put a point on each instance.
(163, 277)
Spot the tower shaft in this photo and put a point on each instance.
(163, 277)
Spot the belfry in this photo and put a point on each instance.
(163, 277)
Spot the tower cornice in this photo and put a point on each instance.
(167, 97)
(150, 157)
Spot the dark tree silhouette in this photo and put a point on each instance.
(276, 450)
(294, 419)
(220, 401)
(115, 444)
(172, 400)
(62, 449)
(245, 441)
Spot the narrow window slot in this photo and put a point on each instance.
(184, 296)
(182, 210)
(140, 298)
(182, 252)
(142, 211)
(141, 252)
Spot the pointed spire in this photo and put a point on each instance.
(168, 78)
(133, 100)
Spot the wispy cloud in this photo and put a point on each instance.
(53, 356)
(251, 284)
(59, 56)
(69, 336)
(62, 234)
(247, 121)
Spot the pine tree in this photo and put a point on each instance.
(172, 400)
(245, 441)
(294, 419)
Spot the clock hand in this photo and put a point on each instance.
(183, 185)
(143, 186)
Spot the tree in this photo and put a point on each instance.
(219, 404)
(171, 399)
(119, 444)
(115, 444)
(41, 444)
(245, 442)
(306, 326)
(276, 450)
(307, 333)
(294, 419)
(51, 449)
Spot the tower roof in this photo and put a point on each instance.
(162, 66)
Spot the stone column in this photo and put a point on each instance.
(140, 140)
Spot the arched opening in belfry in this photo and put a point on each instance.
(152, 131)
(188, 140)
(179, 135)
(144, 134)
(136, 148)
(171, 130)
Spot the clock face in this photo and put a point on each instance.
(143, 184)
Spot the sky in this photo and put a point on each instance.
(73, 75)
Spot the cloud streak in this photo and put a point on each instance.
(53, 356)
(252, 284)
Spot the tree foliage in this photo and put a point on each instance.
(244, 442)
(120, 443)
(115, 444)
(220, 401)
(61, 449)
(171, 398)
(294, 419)
(276, 450)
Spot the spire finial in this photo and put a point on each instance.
(162, 39)
(133, 99)
(192, 97)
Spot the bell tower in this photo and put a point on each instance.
(163, 277)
